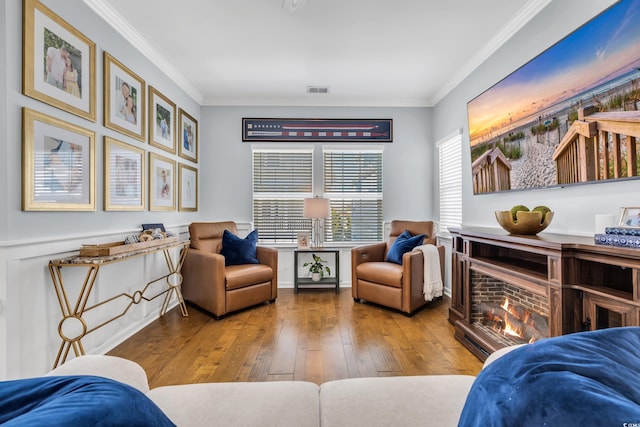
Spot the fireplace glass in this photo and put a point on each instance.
(506, 313)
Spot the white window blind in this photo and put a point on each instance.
(450, 165)
(353, 184)
(281, 181)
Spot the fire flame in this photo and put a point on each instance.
(508, 327)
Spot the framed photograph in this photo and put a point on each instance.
(153, 226)
(59, 62)
(304, 240)
(58, 164)
(162, 121)
(162, 183)
(124, 176)
(630, 217)
(318, 130)
(534, 118)
(188, 185)
(188, 134)
(124, 99)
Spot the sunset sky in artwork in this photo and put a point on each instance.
(604, 48)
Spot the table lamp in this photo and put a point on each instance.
(317, 208)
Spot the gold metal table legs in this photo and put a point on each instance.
(73, 327)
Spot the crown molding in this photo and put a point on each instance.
(528, 11)
(113, 18)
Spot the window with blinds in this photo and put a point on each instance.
(281, 181)
(353, 184)
(450, 165)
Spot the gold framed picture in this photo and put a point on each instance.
(162, 121)
(162, 182)
(188, 136)
(58, 164)
(59, 62)
(188, 187)
(124, 99)
(124, 176)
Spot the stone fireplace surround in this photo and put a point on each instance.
(582, 284)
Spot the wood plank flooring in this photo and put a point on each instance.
(314, 336)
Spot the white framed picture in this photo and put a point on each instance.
(304, 240)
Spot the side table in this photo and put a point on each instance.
(306, 282)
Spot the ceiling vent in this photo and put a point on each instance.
(317, 89)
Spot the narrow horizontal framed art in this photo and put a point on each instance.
(124, 176)
(58, 164)
(59, 62)
(317, 130)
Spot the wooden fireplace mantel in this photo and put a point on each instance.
(588, 286)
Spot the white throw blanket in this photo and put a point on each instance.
(432, 274)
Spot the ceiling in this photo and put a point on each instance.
(367, 52)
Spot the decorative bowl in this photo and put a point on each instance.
(526, 223)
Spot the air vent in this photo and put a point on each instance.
(317, 89)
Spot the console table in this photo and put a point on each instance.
(587, 286)
(305, 282)
(73, 327)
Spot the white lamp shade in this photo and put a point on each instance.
(316, 207)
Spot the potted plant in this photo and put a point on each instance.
(317, 268)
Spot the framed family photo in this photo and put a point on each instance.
(188, 185)
(188, 136)
(630, 217)
(304, 240)
(58, 62)
(162, 121)
(162, 182)
(58, 164)
(124, 176)
(124, 99)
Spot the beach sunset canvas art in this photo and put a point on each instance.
(549, 122)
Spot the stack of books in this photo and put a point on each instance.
(619, 236)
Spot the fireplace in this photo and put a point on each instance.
(507, 313)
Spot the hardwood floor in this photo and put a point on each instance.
(314, 336)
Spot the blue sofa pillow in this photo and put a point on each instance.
(581, 379)
(238, 251)
(405, 242)
(74, 401)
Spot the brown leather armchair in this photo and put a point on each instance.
(210, 285)
(386, 283)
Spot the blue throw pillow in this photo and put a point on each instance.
(403, 243)
(239, 251)
(82, 400)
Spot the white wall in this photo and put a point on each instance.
(29, 311)
(226, 180)
(575, 206)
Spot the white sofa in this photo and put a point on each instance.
(431, 400)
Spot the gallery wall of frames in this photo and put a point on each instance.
(59, 158)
